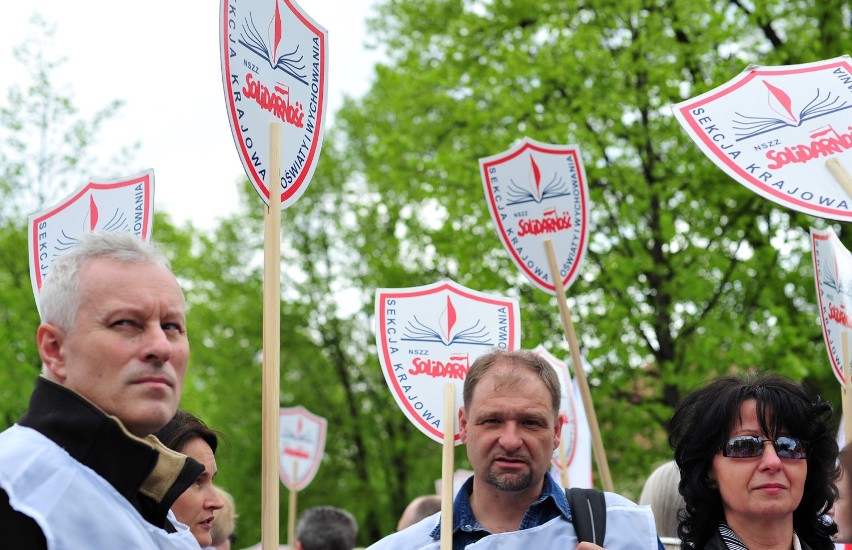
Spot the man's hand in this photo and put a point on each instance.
(589, 546)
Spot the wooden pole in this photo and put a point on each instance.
(847, 389)
(447, 466)
(271, 346)
(563, 464)
(579, 372)
(840, 174)
(291, 522)
(845, 180)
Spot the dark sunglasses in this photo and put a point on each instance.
(749, 446)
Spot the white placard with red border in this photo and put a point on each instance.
(537, 191)
(576, 435)
(773, 128)
(301, 445)
(122, 204)
(833, 277)
(429, 335)
(274, 69)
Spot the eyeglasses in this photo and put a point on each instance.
(749, 446)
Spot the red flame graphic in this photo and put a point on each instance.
(451, 317)
(93, 213)
(536, 177)
(277, 36)
(782, 98)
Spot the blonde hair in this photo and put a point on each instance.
(661, 493)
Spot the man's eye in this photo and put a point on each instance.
(172, 327)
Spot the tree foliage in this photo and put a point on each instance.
(688, 274)
(47, 150)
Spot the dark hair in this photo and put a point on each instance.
(703, 422)
(520, 358)
(326, 528)
(183, 428)
(845, 459)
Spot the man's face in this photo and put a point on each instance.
(127, 349)
(510, 429)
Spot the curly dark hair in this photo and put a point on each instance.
(701, 425)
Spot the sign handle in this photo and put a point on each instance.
(270, 415)
(447, 466)
(579, 372)
(291, 519)
(847, 386)
(841, 175)
(563, 464)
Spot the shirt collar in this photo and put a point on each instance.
(143, 471)
(551, 502)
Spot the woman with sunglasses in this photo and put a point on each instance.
(758, 466)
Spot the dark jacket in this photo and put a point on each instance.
(98, 441)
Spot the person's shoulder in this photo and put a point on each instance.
(615, 499)
(629, 525)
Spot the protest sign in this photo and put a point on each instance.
(275, 69)
(572, 461)
(784, 132)
(122, 204)
(274, 61)
(537, 191)
(833, 277)
(537, 196)
(301, 444)
(429, 335)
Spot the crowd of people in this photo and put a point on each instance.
(104, 458)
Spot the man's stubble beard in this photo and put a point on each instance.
(509, 482)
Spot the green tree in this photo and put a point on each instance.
(47, 149)
(374, 458)
(688, 275)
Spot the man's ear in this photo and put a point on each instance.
(49, 340)
(560, 421)
(462, 425)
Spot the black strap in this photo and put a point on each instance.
(588, 513)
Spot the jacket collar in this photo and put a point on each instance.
(147, 474)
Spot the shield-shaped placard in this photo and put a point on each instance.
(537, 191)
(122, 204)
(429, 335)
(566, 405)
(274, 69)
(772, 129)
(301, 445)
(575, 432)
(833, 276)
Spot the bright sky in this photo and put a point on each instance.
(161, 57)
